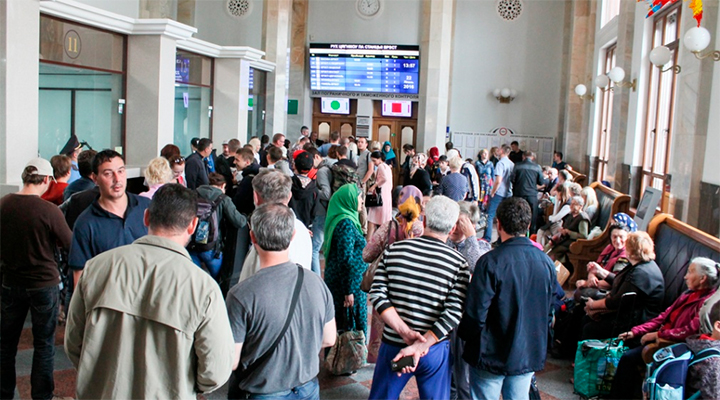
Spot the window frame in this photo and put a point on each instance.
(658, 96)
(603, 130)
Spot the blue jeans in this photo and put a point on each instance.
(43, 304)
(487, 386)
(318, 231)
(212, 263)
(307, 391)
(492, 209)
(432, 374)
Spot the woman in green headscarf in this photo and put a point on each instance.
(344, 264)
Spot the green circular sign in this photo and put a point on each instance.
(335, 105)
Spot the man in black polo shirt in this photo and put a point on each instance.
(527, 176)
(114, 219)
(516, 155)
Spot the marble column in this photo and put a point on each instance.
(150, 104)
(276, 32)
(620, 124)
(230, 99)
(186, 12)
(436, 50)
(690, 130)
(19, 79)
(299, 87)
(578, 56)
(157, 9)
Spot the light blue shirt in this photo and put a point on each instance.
(504, 169)
(74, 173)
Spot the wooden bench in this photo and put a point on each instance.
(580, 179)
(582, 251)
(676, 244)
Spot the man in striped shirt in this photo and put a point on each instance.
(419, 291)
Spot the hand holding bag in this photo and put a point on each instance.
(349, 352)
(374, 199)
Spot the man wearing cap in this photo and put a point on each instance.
(30, 228)
(112, 220)
(72, 150)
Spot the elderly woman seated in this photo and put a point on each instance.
(575, 225)
(611, 261)
(674, 325)
(596, 319)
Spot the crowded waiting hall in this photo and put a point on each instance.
(360, 199)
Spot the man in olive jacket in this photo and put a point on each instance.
(144, 321)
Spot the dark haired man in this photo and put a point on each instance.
(508, 310)
(516, 155)
(30, 228)
(133, 292)
(258, 309)
(112, 220)
(278, 140)
(527, 177)
(334, 141)
(558, 162)
(409, 151)
(305, 131)
(86, 181)
(196, 170)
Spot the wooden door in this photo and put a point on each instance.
(398, 132)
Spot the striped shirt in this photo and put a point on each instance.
(426, 281)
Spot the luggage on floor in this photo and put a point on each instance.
(595, 364)
(667, 373)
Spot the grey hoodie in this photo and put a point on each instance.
(324, 185)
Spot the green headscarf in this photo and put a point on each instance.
(343, 204)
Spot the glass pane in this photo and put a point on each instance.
(193, 68)
(384, 133)
(324, 131)
(55, 121)
(70, 43)
(191, 115)
(256, 113)
(408, 136)
(93, 95)
(346, 130)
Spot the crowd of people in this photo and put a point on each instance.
(215, 272)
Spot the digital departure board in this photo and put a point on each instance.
(365, 68)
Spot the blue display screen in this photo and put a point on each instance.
(365, 68)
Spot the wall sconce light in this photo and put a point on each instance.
(696, 40)
(581, 90)
(617, 75)
(660, 56)
(504, 95)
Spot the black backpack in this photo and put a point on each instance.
(207, 233)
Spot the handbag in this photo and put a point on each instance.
(349, 352)
(234, 391)
(369, 273)
(595, 364)
(651, 348)
(374, 199)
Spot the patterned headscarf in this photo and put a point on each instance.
(625, 221)
(409, 206)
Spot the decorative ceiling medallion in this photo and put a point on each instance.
(510, 10)
(239, 8)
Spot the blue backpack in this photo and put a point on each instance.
(667, 373)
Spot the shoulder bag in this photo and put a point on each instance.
(349, 353)
(374, 199)
(234, 391)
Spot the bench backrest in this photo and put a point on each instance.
(676, 244)
(580, 179)
(606, 198)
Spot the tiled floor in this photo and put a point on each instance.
(553, 381)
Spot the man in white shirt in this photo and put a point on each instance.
(272, 186)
